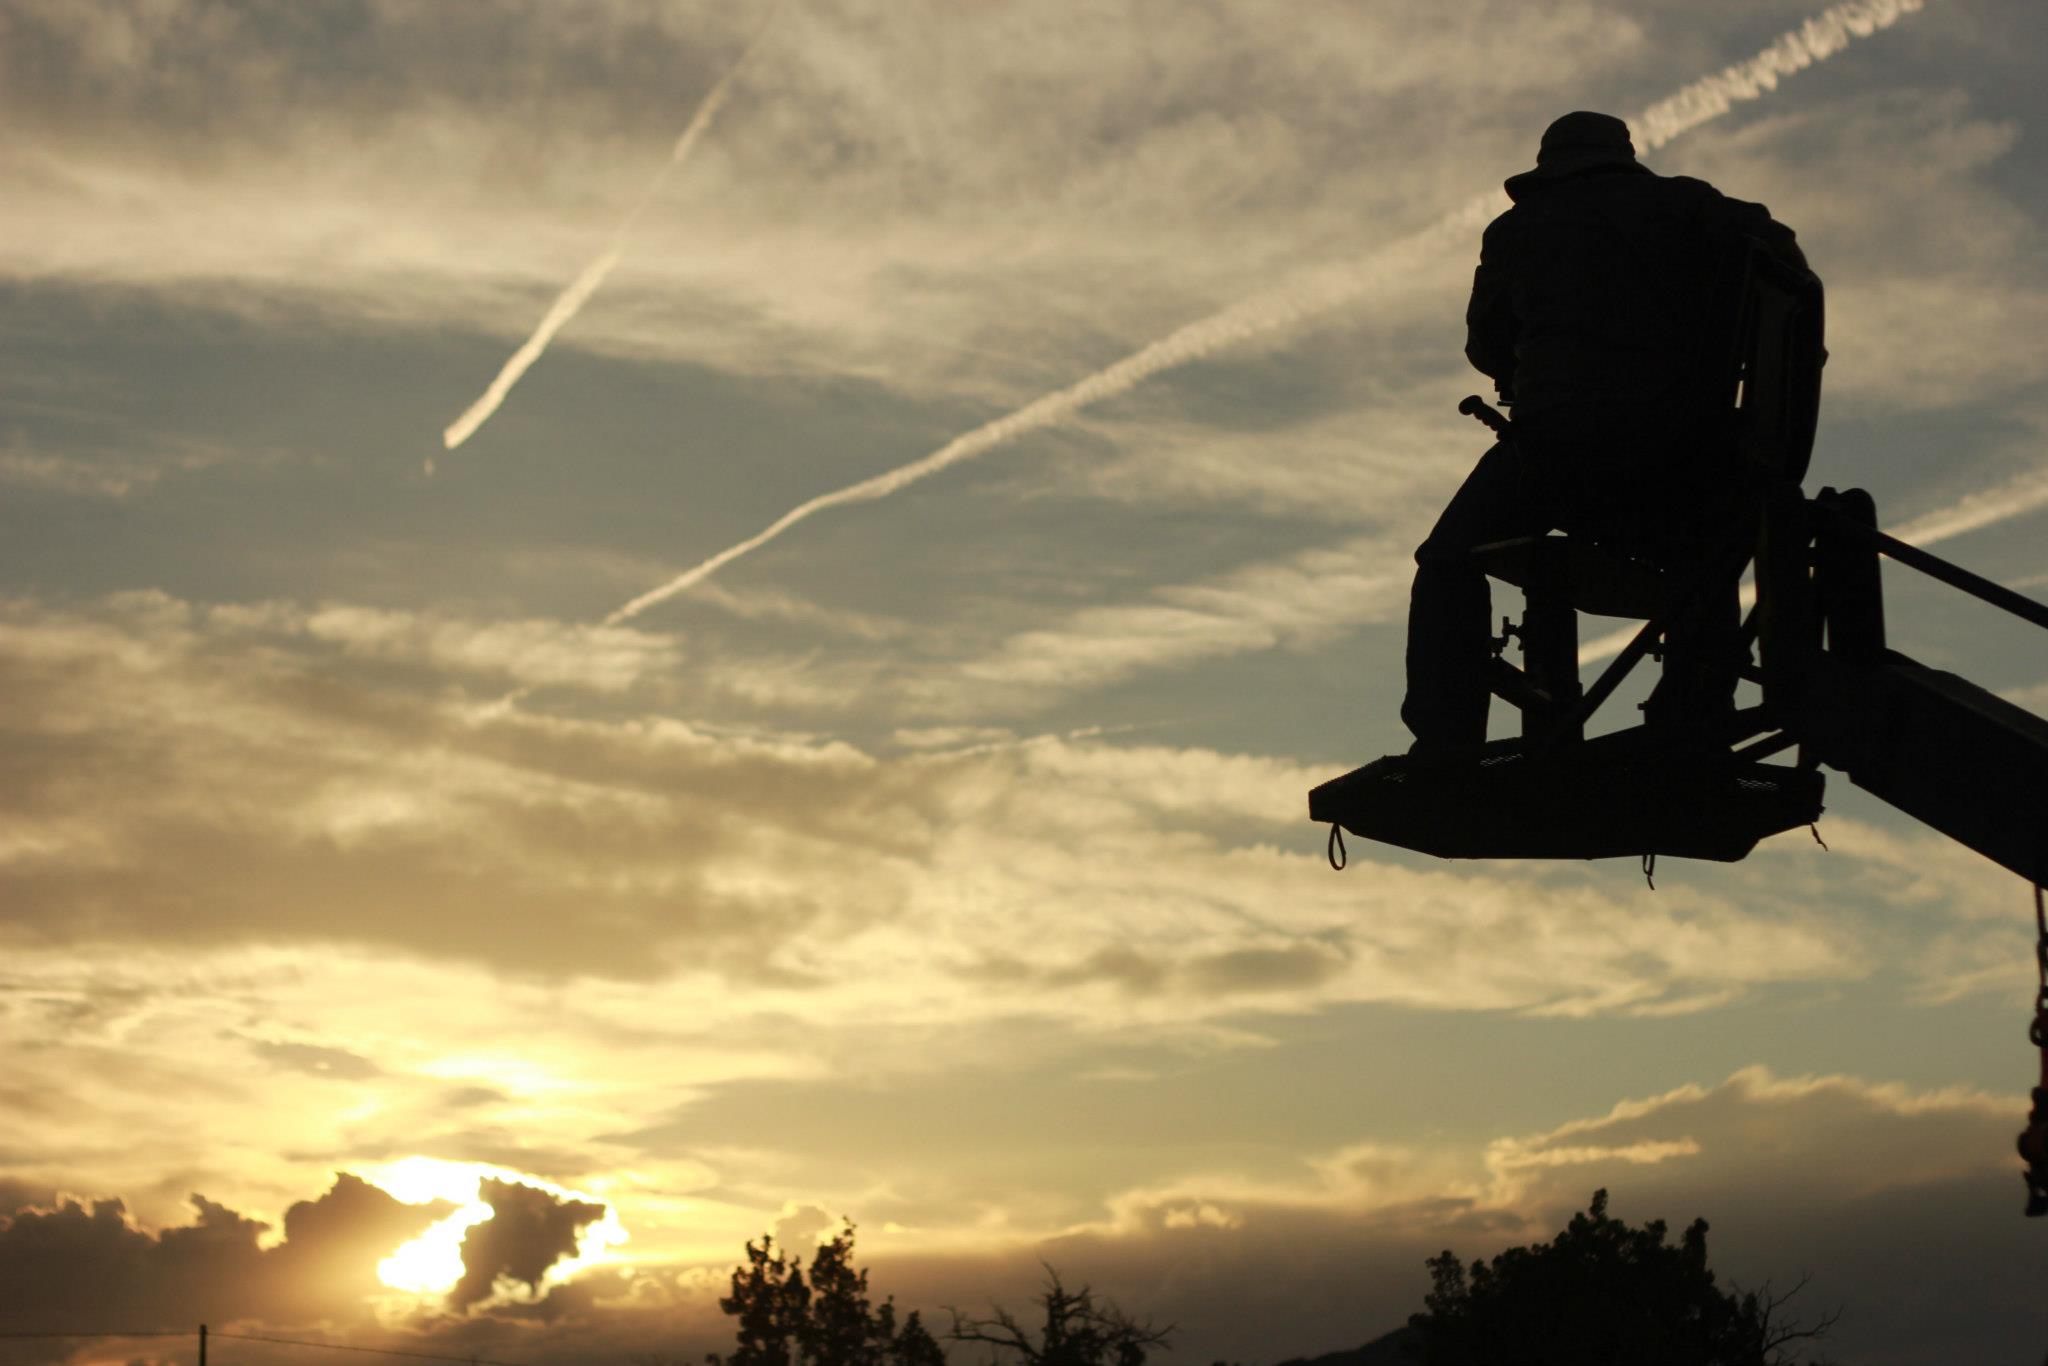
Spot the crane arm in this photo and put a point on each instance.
(1935, 745)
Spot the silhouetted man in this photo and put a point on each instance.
(1586, 312)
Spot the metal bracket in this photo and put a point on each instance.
(1508, 631)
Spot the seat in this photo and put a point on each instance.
(1598, 582)
(1560, 577)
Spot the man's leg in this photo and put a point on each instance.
(1703, 648)
(1450, 610)
(1703, 657)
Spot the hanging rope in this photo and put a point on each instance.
(2033, 1143)
(2039, 1031)
(1650, 870)
(1337, 854)
(1814, 826)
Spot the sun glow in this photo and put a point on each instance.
(431, 1264)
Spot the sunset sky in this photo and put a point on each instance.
(371, 840)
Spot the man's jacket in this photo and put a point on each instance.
(1592, 290)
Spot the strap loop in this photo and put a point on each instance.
(2033, 1144)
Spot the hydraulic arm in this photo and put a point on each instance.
(1936, 746)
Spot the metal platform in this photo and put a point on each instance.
(1583, 801)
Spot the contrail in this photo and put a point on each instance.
(578, 293)
(1321, 290)
(1816, 40)
(1313, 293)
(2017, 496)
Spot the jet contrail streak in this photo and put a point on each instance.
(564, 308)
(578, 293)
(1987, 507)
(1316, 291)
(1815, 40)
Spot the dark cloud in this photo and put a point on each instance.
(332, 1245)
(529, 1231)
(1902, 1205)
(83, 1265)
(338, 1063)
(434, 885)
(154, 67)
(580, 1299)
(1135, 972)
(1242, 970)
(463, 1097)
(1236, 971)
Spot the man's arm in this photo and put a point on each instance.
(1754, 220)
(1490, 316)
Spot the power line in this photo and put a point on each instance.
(378, 1351)
(280, 1342)
(152, 1333)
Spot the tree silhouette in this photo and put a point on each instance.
(1079, 1331)
(830, 1321)
(1603, 1292)
(771, 1303)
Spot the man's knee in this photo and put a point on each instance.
(1442, 552)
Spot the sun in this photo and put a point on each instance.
(431, 1264)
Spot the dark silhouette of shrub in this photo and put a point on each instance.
(829, 1321)
(1079, 1331)
(1600, 1293)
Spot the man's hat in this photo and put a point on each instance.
(1584, 138)
(1577, 142)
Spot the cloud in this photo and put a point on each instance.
(1932, 266)
(2034, 696)
(528, 653)
(2017, 496)
(1814, 1173)
(177, 757)
(1307, 294)
(384, 889)
(572, 299)
(76, 1263)
(1298, 602)
(290, 831)
(529, 1231)
(1392, 474)
(331, 1245)
(802, 1225)
(1384, 456)
(117, 469)
(871, 206)
(16, 1195)
(1794, 1175)
(315, 1059)
(1809, 1174)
